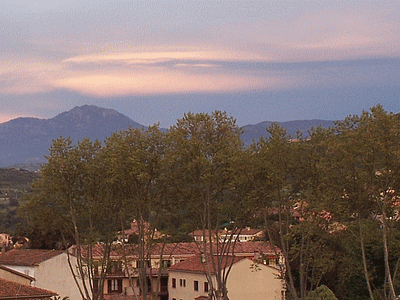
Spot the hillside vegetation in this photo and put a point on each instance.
(14, 184)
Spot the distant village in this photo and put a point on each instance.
(173, 270)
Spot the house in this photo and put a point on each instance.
(14, 290)
(247, 279)
(132, 233)
(117, 281)
(15, 285)
(199, 235)
(163, 256)
(15, 276)
(49, 268)
(245, 235)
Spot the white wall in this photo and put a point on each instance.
(30, 271)
(55, 275)
(188, 292)
(245, 282)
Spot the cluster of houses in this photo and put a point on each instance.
(175, 271)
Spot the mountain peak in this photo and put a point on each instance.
(87, 121)
(88, 112)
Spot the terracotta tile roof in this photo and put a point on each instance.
(27, 257)
(132, 249)
(124, 297)
(184, 249)
(251, 247)
(17, 273)
(197, 263)
(13, 290)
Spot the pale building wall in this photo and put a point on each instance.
(30, 271)
(243, 283)
(261, 283)
(55, 275)
(186, 292)
(126, 289)
(14, 277)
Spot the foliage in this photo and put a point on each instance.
(321, 293)
(204, 155)
(328, 201)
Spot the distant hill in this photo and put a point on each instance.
(13, 184)
(27, 140)
(254, 132)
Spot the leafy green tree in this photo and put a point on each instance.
(72, 190)
(290, 188)
(366, 173)
(202, 153)
(134, 160)
(321, 293)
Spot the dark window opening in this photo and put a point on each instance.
(174, 283)
(114, 286)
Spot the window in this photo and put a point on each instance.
(114, 286)
(174, 283)
(145, 263)
(196, 285)
(206, 286)
(182, 282)
(115, 267)
(166, 263)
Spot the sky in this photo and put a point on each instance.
(154, 60)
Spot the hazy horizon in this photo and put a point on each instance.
(258, 60)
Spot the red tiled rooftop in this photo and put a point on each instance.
(185, 249)
(27, 257)
(198, 264)
(13, 290)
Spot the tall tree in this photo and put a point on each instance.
(368, 175)
(72, 189)
(289, 181)
(134, 161)
(202, 152)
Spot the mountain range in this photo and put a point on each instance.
(27, 140)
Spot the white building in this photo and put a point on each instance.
(247, 280)
(49, 268)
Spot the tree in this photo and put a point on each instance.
(368, 168)
(202, 153)
(290, 188)
(134, 160)
(321, 293)
(72, 189)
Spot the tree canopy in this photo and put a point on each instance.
(329, 201)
